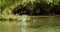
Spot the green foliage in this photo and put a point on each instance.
(45, 4)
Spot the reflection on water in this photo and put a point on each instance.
(52, 25)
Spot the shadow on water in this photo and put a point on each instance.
(34, 25)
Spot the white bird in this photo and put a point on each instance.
(22, 19)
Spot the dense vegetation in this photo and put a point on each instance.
(38, 9)
(31, 7)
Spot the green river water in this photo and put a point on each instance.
(51, 25)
